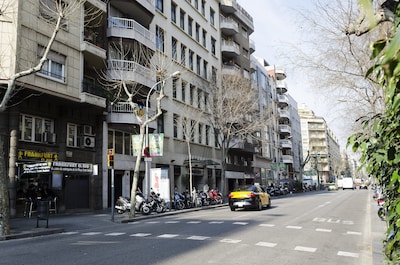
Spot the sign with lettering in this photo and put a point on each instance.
(72, 167)
(36, 155)
(36, 168)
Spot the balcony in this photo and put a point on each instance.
(228, 26)
(285, 129)
(132, 71)
(285, 143)
(142, 10)
(280, 73)
(287, 159)
(252, 46)
(228, 6)
(100, 4)
(130, 29)
(231, 69)
(92, 92)
(123, 113)
(284, 113)
(230, 48)
(283, 101)
(281, 86)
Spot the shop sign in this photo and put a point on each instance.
(72, 167)
(35, 155)
(36, 168)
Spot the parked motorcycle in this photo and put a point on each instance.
(156, 203)
(215, 197)
(123, 204)
(179, 201)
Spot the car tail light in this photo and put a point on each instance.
(252, 195)
(230, 195)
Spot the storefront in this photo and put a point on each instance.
(69, 181)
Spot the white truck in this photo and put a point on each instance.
(348, 183)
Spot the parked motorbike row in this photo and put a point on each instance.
(157, 204)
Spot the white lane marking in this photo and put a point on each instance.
(153, 222)
(240, 223)
(353, 233)
(266, 244)
(115, 234)
(294, 227)
(91, 233)
(194, 222)
(333, 221)
(90, 243)
(348, 254)
(318, 219)
(323, 230)
(305, 249)
(227, 240)
(69, 233)
(198, 237)
(216, 222)
(348, 222)
(172, 222)
(141, 234)
(168, 235)
(267, 225)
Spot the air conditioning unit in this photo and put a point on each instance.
(87, 141)
(49, 137)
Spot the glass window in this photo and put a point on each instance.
(204, 38)
(175, 117)
(190, 26)
(72, 135)
(198, 62)
(173, 12)
(213, 41)
(191, 58)
(159, 38)
(198, 32)
(33, 129)
(160, 123)
(54, 66)
(160, 5)
(173, 47)
(203, 7)
(182, 19)
(183, 90)
(212, 16)
(183, 54)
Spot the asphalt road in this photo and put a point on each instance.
(312, 228)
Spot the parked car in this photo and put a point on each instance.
(331, 186)
(249, 197)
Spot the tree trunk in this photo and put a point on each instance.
(4, 197)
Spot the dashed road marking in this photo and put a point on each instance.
(240, 223)
(91, 233)
(318, 219)
(216, 222)
(267, 225)
(266, 244)
(353, 233)
(70, 233)
(294, 227)
(91, 243)
(153, 222)
(227, 240)
(348, 254)
(333, 221)
(348, 222)
(323, 230)
(114, 234)
(172, 222)
(198, 237)
(141, 234)
(168, 235)
(194, 222)
(305, 249)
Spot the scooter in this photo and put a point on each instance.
(157, 203)
(123, 204)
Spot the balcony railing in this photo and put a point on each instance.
(228, 25)
(230, 47)
(130, 28)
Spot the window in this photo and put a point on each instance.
(199, 96)
(205, 66)
(183, 92)
(160, 5)
(182, 19)
(213, 41)
(174, 81)
(54, 67)
(72, 135)
(191, 95)
(203, 7)
(196, 4)
(175, 117)
(173, 12)
(160, 123)
(183, 54)
(204, 38)
(48, 10)
(205, 100)
(212, 16)
(120, 141)
(191, 57)
(207, 134)
(190, 26)
(33, 128)
(200, 133)
(198, 62)
(159, 39)
(198, 32)
(214, 75)
(173, 47)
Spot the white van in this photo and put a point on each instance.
(348, 183)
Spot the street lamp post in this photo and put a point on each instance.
(148, 159)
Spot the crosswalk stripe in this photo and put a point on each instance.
(240, 223)
(266, 244)
(348, 254)
(141, 234)
(267, 225)
(198, 237)
(294, 227)
(194, 222)
(227, 240)
(168, 235)
(305, 249)
(323, 230)
(353, 233)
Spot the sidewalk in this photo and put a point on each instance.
(24, 227)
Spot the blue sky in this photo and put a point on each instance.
(277, 28)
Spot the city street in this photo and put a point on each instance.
(339, 227)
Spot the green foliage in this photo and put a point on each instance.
(379, 150)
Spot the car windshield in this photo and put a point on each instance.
(246, 188)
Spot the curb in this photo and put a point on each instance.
(33, 233)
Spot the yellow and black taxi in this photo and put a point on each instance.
(249, 197)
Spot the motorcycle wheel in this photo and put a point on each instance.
(146, 210)
(180, 205)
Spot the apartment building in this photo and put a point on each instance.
(321, 144)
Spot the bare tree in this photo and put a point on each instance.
(133, 59)
(57, 14)
(234, 115)
(337, 62)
